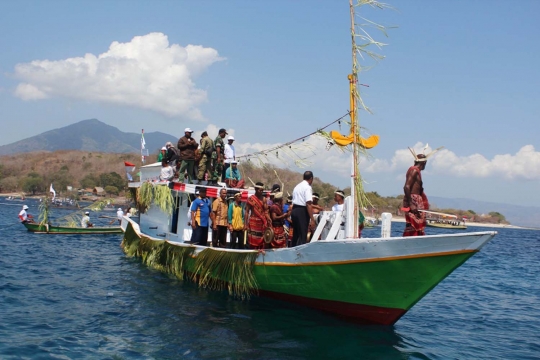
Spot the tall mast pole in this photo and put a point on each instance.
(353, 78)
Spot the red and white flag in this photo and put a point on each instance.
(129, 169)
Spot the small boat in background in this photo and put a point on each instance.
(444, 221)
(64, 230)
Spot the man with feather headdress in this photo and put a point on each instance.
(415, 200)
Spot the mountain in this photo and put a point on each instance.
(528, 216)
(88, 135)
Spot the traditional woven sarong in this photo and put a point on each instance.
(257, 223)
(416, 221)
(280, 236)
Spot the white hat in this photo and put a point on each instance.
(25, 207)
(230, 138)
(87, 212)
(119, 209)
(188, 130)
(164, 148)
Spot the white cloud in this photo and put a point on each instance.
(304, 155)
(311, 154)
(524, 165)
(146, 73)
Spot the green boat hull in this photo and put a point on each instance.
(65, 230)
(373, 290)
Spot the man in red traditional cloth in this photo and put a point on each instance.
(257, 218)
(415, 200)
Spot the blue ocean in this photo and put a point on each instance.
(80, 297)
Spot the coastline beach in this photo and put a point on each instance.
(400, 219)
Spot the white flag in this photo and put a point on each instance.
(51, 190)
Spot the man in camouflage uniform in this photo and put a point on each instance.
(205, 163)
(218, 156)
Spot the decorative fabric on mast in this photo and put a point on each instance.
(358, 143)
(144, 152)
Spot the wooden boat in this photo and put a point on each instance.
(64, 230)
(444, 221)
(375, 280)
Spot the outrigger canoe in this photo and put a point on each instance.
(51, 229)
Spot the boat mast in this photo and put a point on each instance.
(353, 78)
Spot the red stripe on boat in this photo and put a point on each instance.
(354, 312)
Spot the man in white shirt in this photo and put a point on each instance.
(24, 216)
(302, 212)
(120, 215)
(85, 222)
(230, 155)
(339, 198)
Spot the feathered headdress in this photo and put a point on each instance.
(423, 157)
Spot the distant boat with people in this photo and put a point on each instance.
(66, 230)
(444, 221)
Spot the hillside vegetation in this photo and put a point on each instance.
(32, 173)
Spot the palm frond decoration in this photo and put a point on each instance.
(44, 212)
(145, 194)
(212, 269)
(231, 270)
(163, 198)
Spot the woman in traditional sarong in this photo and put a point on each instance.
(257, 218)
(278, 221)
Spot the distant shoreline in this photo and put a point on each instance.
(475, 224)
(395, 218)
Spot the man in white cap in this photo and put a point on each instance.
(24, 216)
(119, 215)
(85, 222)
(162, 154)
(187, 146)
(230, 155)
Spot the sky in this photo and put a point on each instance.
(458, 74)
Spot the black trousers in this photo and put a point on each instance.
(237, 239)
(300, 222)
(219, 236)
(200, 235)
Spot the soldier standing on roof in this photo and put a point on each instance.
(218, 156)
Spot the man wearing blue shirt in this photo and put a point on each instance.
(200, 216)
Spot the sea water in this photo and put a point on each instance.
(80, 297)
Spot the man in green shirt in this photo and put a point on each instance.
(205, 163)
(217, 156)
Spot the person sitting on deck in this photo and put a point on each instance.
(233, 178)
(167, 172)
(24, 216)
(85, 222)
